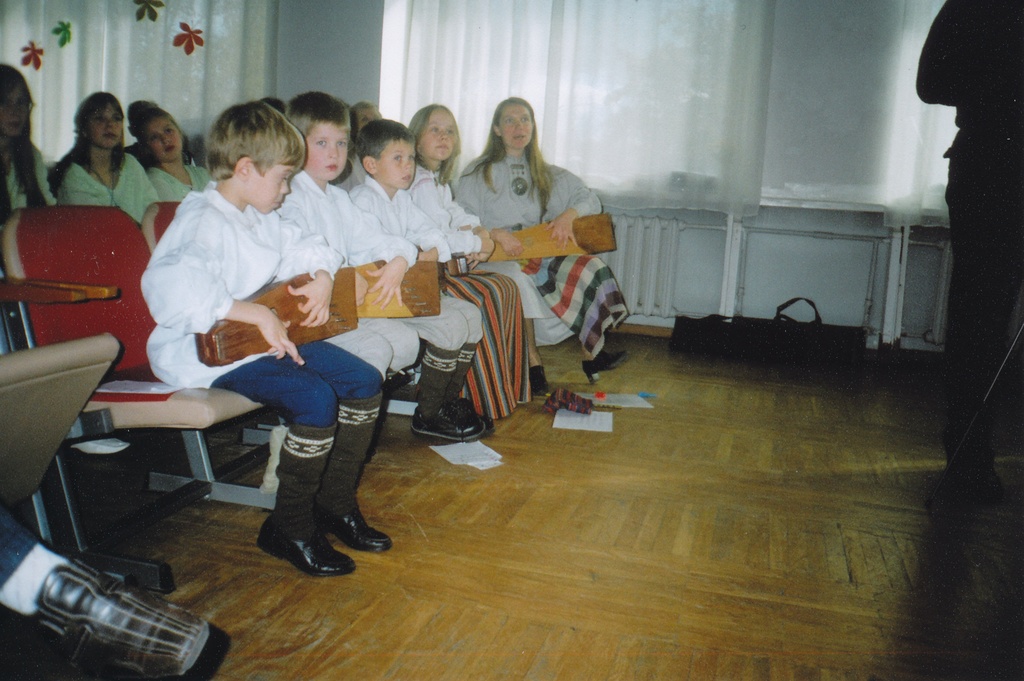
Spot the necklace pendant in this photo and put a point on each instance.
(519, 186)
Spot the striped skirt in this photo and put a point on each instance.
(499, 377)
(581, 290)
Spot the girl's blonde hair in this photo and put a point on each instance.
(494, 151)
(418, 126)
(140, 114)
(255, 130)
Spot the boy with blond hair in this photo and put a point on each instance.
(224, 244)
(319, 207)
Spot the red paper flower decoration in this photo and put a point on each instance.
(189, 37)
(33, 55)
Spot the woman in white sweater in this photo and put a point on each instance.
(510, 187)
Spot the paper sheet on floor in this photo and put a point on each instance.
(402, 407)
(597, 421)
(618, 400)
(108, 445)
(475, 454)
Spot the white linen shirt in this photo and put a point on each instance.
(356, 234)
(401, 217)
(212, 255)
(436, 201)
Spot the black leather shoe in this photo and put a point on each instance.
(467, 413)
(111, 629)
(352, 529)
(396, 382)
(314, 557)
(605, 361)
(450, 424)
(538, 381)
(488, 424)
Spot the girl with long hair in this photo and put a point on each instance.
(162, 150)
(97, 172)
(21, 164)
(510, 186)
(497, 380)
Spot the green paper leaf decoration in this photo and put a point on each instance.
(63, 32)
(147, 9)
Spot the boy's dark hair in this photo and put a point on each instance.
(275, 103)
(313, 108)
(376, 135)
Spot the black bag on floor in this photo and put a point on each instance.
(779, 340)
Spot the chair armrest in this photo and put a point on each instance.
(39, 291)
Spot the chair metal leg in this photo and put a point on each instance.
(41, 519)
(57, 511)
(154, 575)
(205, 482)
(221, 489)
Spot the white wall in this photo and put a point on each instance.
(330, 45)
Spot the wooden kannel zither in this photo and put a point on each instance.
(230, 341)
(593, 234)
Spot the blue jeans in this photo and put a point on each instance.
(15, 543)
(308, 394)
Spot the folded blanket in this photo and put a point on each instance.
(564, 399)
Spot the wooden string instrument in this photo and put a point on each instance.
(421, 295)
(593, 234)
(230, 341)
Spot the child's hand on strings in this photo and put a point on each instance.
(318, 299)
(389, 281)
(273, 330)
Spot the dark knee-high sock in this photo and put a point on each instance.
(356, 421)
(457, 379)
(436, 372)
(303, 458)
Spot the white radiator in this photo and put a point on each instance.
(664, 263)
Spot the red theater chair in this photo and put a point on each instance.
(100, 245)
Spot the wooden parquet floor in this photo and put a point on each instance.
(758, 523)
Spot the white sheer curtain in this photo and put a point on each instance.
(715, 104)
(110, 50)
(916, 172)
(654, 103)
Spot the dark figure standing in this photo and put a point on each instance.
(973, 59)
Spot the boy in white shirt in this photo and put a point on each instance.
(319, 207)
(224, 244)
